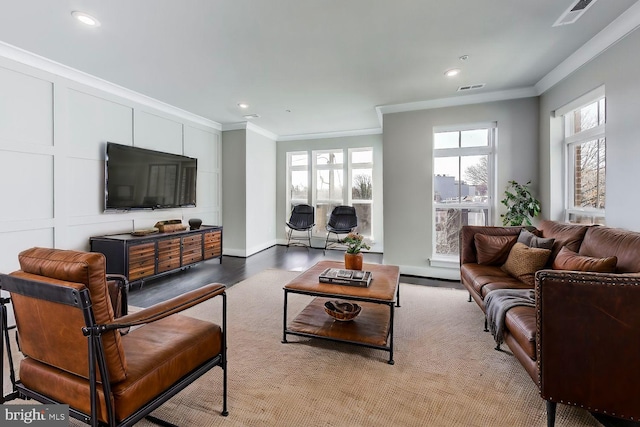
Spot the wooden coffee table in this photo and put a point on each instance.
(372, 328)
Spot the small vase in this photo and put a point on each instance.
(353, 261)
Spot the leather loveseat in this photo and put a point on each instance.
(580, 340)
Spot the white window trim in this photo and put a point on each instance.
(355, 166)
(453, 261)
(315, 167)
(290, 169)
(594, 133)
(347, 172)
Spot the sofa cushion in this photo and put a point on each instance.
(569, 235)
(506, 283)
(468, 252)
(493, 250)
(477, 276)
(569, 260)
(528, 238)
(523, 262)
(606, 241)
(521, 323)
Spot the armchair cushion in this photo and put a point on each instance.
(36, 342)
(158, 354)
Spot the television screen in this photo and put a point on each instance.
(137, 178)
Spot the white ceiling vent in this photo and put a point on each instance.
(252, 116)
(470, 87)
(575, 11)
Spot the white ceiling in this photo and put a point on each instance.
(330, 62)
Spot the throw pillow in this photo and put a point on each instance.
(528, 238)
(493, 250)
(523, 262)
(569, 260)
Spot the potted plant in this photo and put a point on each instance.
(353, 256)
(520, 203)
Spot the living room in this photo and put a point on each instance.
(57, 118)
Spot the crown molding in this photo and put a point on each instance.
(260, 131)
(250, 126)
(612, 33)
(454, 101)
(337, 134)
(234, 126)
(44, 64)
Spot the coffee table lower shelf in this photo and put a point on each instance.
(370, 329)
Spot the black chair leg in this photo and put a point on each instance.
(551, 413)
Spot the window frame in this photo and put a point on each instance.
(450, 260)
(290, 169)
(346, 167)
(570, 141)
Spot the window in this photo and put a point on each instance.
(338, 177)
(462, 183)
(328, 192)
(585, 148)
(361, 168)
(297, 179)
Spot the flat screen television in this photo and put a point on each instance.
(137, 178)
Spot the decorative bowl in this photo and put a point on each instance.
(342, 310)
(195, 223)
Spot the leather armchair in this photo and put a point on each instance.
(75, 354)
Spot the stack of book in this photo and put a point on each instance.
(342, 276)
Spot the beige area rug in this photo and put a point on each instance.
(446, 371)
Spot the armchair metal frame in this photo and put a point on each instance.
(80, 299)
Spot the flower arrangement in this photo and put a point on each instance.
(355, 243)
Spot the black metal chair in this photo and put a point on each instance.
(343, 220)
(302, 219)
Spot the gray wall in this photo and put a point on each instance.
(249, 197)
(617, 68)
(234, 201)
(408, 174)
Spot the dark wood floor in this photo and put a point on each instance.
(235, 269)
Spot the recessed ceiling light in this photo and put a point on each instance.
(243, 105)
(85, 18)
(452, 72)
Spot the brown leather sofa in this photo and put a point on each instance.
(581, 342)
